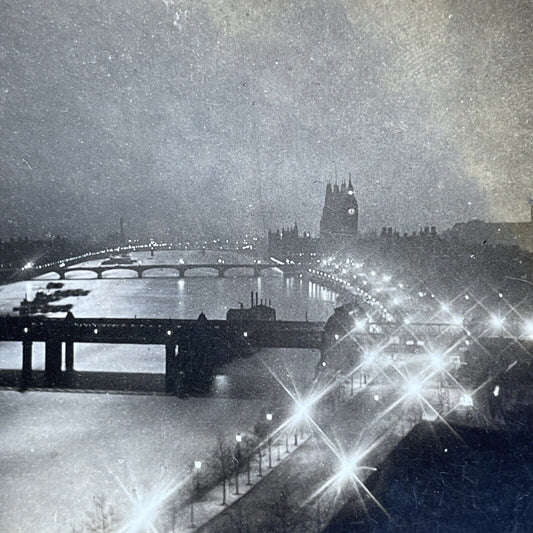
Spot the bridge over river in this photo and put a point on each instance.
(139, 268)
(193, 348)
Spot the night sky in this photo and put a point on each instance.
(214, 117)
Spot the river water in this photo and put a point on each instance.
(59, 450)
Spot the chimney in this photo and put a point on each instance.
(252, 297)
(256, 298)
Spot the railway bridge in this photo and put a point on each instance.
(193, 348)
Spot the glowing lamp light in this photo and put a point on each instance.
(496, 322)
(437, 361)
(466, 400)
(445, 307)
(457, 320)
(269, 416)
(245, 334)
(197, 465)
(369, 357)
(414, 388)
(238, 437)
(376, 397)
(496, 391)
(95, 331)
(324, 363)
(302, 411)
(360, 325)
(528, 329)
(169, 332)
(346, 469)
(336, 336)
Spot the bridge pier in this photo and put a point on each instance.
(61, 274)
(257, 272)
(139, 274)
(69, 356)
(181, 272)
(26, 364)
(170, 368)
(98, 274)
(221, 272)
(52, 362)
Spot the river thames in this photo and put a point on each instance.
(60, 450)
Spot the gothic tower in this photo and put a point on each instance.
(339, 222)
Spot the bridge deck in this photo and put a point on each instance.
(278, 334)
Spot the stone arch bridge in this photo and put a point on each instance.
(140, 269)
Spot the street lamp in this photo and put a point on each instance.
(269, 419)
(248, 453)
(238, 438)
(197, 466)
(260, 466)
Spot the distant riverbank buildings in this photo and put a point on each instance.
(496, 233)
(339, 232)
(338, 228)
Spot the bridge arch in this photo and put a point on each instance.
(243, 270)
(163, 268)
(66, 274)
(103, 272)
(211, 269)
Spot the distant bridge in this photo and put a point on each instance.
(140, 269)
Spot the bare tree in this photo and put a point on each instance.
(224, 458)
(102, 518)
(172, 511)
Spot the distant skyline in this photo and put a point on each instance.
(214, 118)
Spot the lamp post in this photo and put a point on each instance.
(248, 451)
(238, 438)
(269, 419)
(197, 466)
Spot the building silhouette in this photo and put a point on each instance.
(495, 233)
(288, 244)
(340, 217)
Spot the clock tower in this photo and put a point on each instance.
(340, 216)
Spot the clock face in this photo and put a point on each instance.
(351, 211)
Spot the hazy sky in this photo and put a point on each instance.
(206, 117)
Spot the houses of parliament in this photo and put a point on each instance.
(338, 227)
(339, 230)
